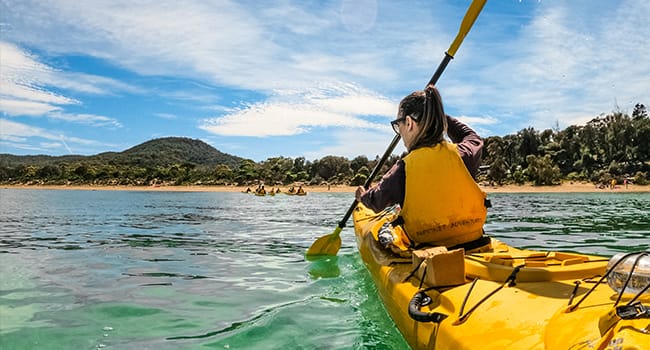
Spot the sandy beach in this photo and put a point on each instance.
(563, 188)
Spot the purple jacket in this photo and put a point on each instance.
(391, 188)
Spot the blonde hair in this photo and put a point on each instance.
(425, 108)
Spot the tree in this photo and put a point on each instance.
(364, 171)
(358, 180)
(359, 162)
(542, 171)
(498, 171)
(330, 166)
(569, 149)
(641, 126)
(528, 143)
(494, 157)
(274, 170)
(49, 172)
(639, 112)
(246, 172)
(223, 172)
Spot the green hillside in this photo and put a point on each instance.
(168, 151)
(163, 152)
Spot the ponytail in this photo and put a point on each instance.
(425, 107)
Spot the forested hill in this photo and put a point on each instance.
(169, 151)
(163, 153)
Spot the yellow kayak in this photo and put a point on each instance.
(506, 298)
(296, 193)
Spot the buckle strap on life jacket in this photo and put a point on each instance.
(471, 245)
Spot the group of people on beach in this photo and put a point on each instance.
(612, 185)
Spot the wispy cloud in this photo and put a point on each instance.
(87, 119)
(27, 89)
(23, 80)
(23, 136)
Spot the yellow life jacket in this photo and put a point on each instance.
(443, 205)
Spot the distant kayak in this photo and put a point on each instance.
(501, 297)
(295, 193)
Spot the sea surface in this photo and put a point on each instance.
(186, 270)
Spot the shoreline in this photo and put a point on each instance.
(563, 188)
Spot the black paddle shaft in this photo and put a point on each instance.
(372, 175)
(391, 147)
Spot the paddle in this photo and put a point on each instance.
(331, 243)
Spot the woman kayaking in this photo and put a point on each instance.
(434, 185)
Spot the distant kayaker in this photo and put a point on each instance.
(261, 190)
(434, 185)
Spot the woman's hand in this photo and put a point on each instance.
(359, 192)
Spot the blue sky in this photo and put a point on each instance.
(261, 79)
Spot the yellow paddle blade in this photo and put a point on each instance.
(470, 16)
(326, 245)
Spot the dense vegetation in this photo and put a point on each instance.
(613, 146)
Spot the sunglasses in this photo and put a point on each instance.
(395, 124)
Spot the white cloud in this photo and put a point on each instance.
(21, 84)
(23, 136)
(290, 113)
(24, 85)
(87, 119)
(487, 120)
(279, 119)
(21, 107)
(10, 130)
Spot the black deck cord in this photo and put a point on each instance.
(623, 258)
(462, 306)
(510, 281)
(574, 292)
(421, 299)
(645, 289)
(424, 274)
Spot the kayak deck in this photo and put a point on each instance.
(512, 299)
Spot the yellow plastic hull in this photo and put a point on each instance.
(532, 314)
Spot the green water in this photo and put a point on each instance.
(153, 270)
